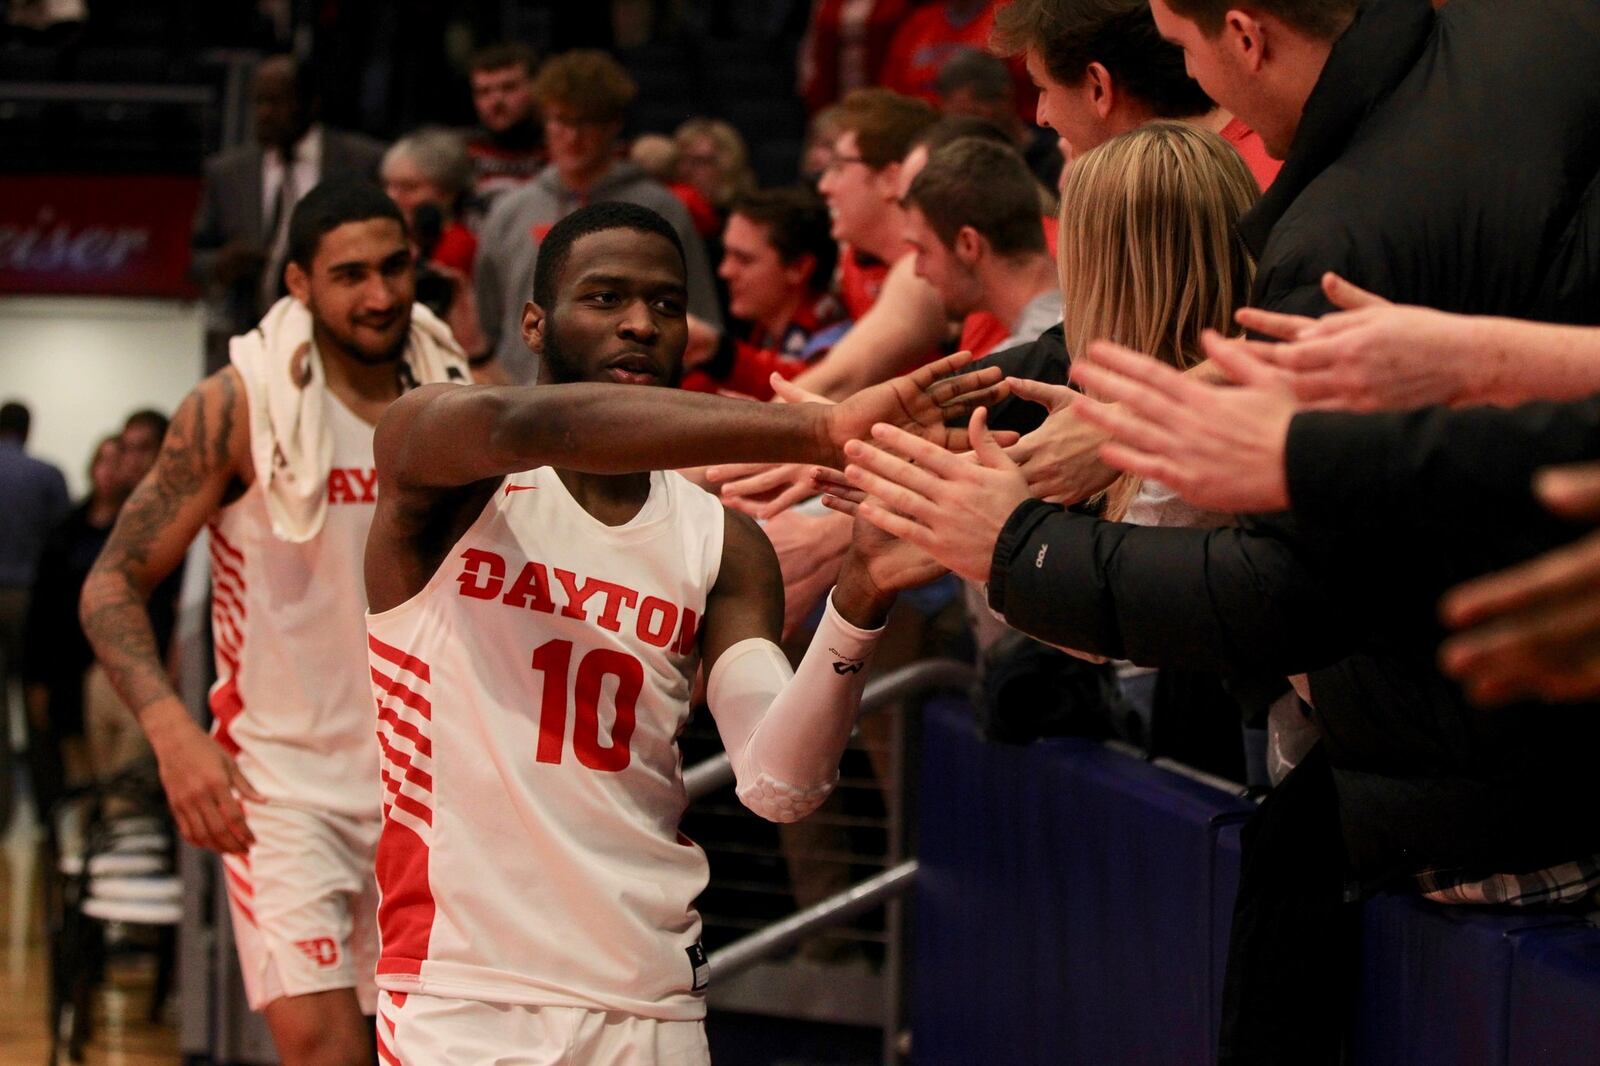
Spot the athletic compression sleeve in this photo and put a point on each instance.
(784, 730)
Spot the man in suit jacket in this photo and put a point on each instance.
(241, 227)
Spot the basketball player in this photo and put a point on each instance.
(538, 617)
(293, 710)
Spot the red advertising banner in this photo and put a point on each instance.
(112, 235)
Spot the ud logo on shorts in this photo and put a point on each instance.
(321, 950)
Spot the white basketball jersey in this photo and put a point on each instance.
(529, 702)
(293, 700)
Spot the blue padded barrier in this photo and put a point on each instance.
(1063, 904)
(1074, 904)
(1555, 997)
(1435, 982)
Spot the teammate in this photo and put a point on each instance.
(274, 454)
(540, 609)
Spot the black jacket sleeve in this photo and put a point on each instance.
(1434, 469)
(1232, 600)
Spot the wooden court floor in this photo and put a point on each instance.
(120, 1036)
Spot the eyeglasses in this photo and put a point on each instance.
(839, 162)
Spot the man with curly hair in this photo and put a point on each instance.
(583, 96)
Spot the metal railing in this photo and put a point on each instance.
(783, 935)
(744, 956)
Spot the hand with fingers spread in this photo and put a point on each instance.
(1060, 459)
(1371, 355)
(953, 507)
(920, 402)
(1533, 631)
(202, 782)
(811, 549)
(1219, 447)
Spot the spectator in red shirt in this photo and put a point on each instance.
(432, 167)
(845, 47)
(777, 261)
(1102, 69)
(931, 35)
(861, 184)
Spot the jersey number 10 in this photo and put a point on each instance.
(554, 660)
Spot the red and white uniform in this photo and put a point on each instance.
(529, 702)
(292, 703)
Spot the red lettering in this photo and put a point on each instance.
(657, 619)
(592, 670)
(339, 490)
(688, 633)
(531, 590)
(616, 596)
(367, 482)
(552, 659)
(483, 575)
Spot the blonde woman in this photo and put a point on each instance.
(713, 161)
(1150, 256)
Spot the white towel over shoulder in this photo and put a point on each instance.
(283, 382)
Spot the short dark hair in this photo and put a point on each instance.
(796, 221)
(1322, 19)
(955, 127)
(595, 218)
(329, 205)
(885, 123)
(151, 419)
(984, 185)
(1120, 35)
(15, 419)
(503, 54)
(987, 77)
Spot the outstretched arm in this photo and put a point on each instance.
(1373, 355)
(204, 452)
(443, 437)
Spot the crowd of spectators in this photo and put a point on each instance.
(1174, 531)
(77, 731)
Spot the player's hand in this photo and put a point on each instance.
(1220, 447)
(952, 507)
(1534, 630)
(1060, 460)
(810, 550)
(202, 783)
(1371, 355)
(920, 402)
(888, 564)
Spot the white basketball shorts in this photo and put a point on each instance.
(304, 904)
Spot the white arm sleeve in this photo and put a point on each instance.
(785, 731)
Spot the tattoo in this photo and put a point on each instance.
(114, 596)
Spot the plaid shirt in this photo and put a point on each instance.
(1562, 883)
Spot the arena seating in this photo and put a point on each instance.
(1073, 906)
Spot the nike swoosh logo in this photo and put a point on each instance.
(519, 488)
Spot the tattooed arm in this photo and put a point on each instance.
(206, 451)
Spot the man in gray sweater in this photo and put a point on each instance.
(583, 95)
